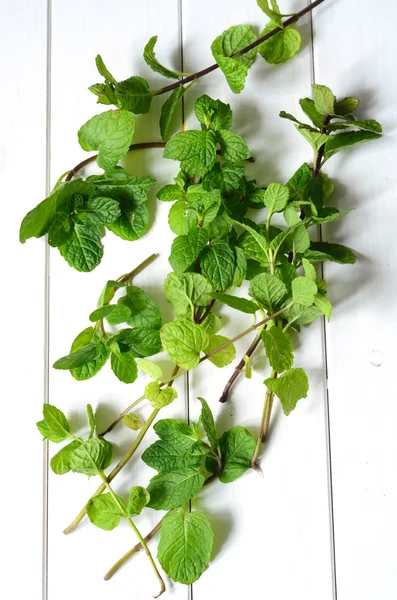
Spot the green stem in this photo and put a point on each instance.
(116, 470)
(131, 552)
(138, 269)
(265, 421)
(135, 530)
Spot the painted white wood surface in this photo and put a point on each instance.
(273, 535)
(23, 51)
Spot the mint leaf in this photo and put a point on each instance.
(278, 349)
(324, 100)
(240, 271)
(225, 356)
(123, 364)
(304, 290)
(282, 46)
(185, 545)
(183, 341)
(141, 341)
(226, 177)
(160, 397)
(185, 291)
(310, 271)
(103, 512)
(137, 500)
(320, 251)
(113, 313)
(182, 218)
(168, 109)
(91, 456)
(91, 420)
(132, 224)
(38, 221)
(110, 133)
(366, 125)
(233, 147)
(83, 250)
(171, 429)
(273, 13)
(174, 453)
(256, 253)
(290, 387)
(229, 43)
(242, 304)
(56, 428)
(237, 448)
(186, 249)
(310, 110)
(324, 305)
(144, 312)
(269, 291)
(346, 139)
(60, 462)
(207, 420)
(173, 488)
(211, 324)
(213, 114)
(77, 359)
(171, 192)
(132, 421)
(151, 60)
(133, 94)
(195, 149)
(100, 65)
(218, 263)
(316, 140)
(150, 368)
(86, 338)
(276, 197)
(346, 106)
(100, 211)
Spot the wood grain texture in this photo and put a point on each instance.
(361, 351)
(23, 45)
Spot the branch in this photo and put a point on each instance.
(239, 369)
(259, 41)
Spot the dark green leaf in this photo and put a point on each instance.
(123, 365)
(233, 147)
(77, 359)
(346, 139)
(168, 109)
(186, 249)
(38, 221)
(195, 149)
(85, 338)
(320, 251)
(218, 263)
(174, 453)
(134, 95)
(91, 420)
(346, 106)
(144, 312)
(151, 60)
(242, 304)
(100, 65)
(83, 250)
(310, 110)
(237, 447)
(207, 419)
(173, 488)
(170, 429)
(213, 114)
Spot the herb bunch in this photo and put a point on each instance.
(226, 235)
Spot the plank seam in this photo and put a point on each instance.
(326, 393)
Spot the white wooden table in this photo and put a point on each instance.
(322, 522)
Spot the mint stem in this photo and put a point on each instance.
(265, 422)
(138, 269)
(239, 369)
(257, 42)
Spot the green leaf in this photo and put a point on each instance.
(141, 341)
(185, 545)
(60, 230)
(213, 114)
(132, 421)
(83, 250)
(185, 291)
(182, 218)
(144, 312)
(218, 263)
(132, 224)
(366, 125)
(100, 211)
(77, 359)
(170, 429)
(273, 13)
(104, 92)
(310, 110)
(150, 368)
(310, 271)
(324, 305)
(269, 291)
(280, 47)
(240, 271)
(304, 290)
(137, 500)
(211, 324)
(100, 65)
(225, 356)
(247, 366)
(168, 109)
(173, 488)
(183, 341)
(133, 94)
(60, 462)
(91, 420)
(346, 139)
(110, 133)
(123, 365)
(237, 447)
(346, 106)
(260, 240)
(229, 43)
(91, 456)
(233, 147)
(38, 221)
(113, 313)
(324, 100)
(160, 397)
(89, 337)
(207, 419)
(242, 304)
(195, 149)
(316, 140)
(175, 453)
(290, 387)
(300, 239)
(151, 60)
(171, 192)
(103, 512)
(56, 427)
(186, 249)
(278, 349)
(276, 197)
(320, 251)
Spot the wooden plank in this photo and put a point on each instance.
(358, 58)
(272, 534)
(23, 42)
(118, 31)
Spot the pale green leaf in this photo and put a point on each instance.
(290, 387)
(183, 341)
